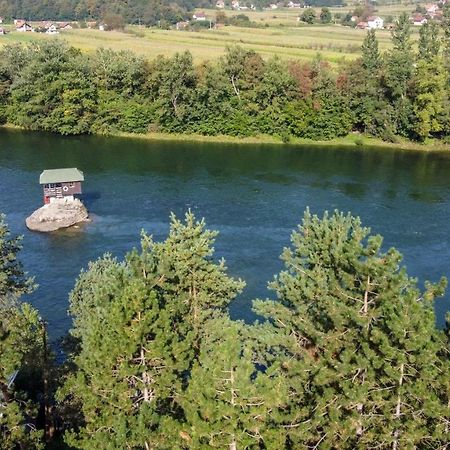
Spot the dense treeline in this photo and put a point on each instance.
(50, 86)
(147, 12)
(349, 357)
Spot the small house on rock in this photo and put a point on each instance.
(61, 183)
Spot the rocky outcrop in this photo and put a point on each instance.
(61, 213)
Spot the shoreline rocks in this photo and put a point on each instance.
(60, 213)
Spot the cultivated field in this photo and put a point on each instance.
(283, 37)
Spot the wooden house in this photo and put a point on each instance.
(61, 183)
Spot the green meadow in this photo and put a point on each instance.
(280, 34)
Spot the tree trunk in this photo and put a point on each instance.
(398, 408)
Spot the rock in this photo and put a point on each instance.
(60, 213)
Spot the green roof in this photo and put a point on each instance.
(61, 176)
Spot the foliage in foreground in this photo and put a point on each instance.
(20, 349)
(349, 357)
(50, 86)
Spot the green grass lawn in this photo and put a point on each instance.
(299, 41)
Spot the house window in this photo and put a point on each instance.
(72, 185)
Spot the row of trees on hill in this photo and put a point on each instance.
(147, 12)
(402, 92)
(347, 358)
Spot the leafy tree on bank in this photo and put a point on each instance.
(398, 73)
(357, 343)
(429, 44)
(54, 91)
(445, 24)
(21, 346)
(361, 83)
(140, 324)
(432, 99)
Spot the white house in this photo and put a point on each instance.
(199, 17)
(52, 29)
(235, 4)
(375, 22)
(273, 6)
(1, 19)
(220, 4)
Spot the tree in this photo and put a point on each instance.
(173, 81)
(230, 401)
(431, 97)
(325, 15)
(140, 325)
(21, 345)
(445, 24)
(308, 16)
(54, 91)
(371, 60)
(398, 73)
(360, 351)
(429, 44)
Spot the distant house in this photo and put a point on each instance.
(294, 5)
(375, 22)
(91, 25)
(199, 17)
(64, 26)
(362, 25)
(61, 183)
(182, 25)
(235, 4)
(220, 4)
(1, 19)
(2, 31)
(23, 27)
(432, 8)
(102, 27)
(273, 6)
(419, 20)
(52, 29)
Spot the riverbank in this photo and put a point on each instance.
(353, 139)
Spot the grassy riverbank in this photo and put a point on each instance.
(353, 139)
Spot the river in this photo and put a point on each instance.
(254, 195)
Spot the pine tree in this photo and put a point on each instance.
(398, 73)
(140, 326)
(230, 401)
(361, 351)
(429, 44)
(371, 60)
(20, 349)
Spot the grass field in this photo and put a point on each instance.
(286, 38)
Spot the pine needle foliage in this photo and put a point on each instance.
(230, 402)
(20, 349)
(140, 327)
(361, 354)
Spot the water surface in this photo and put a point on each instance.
(254, 195)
